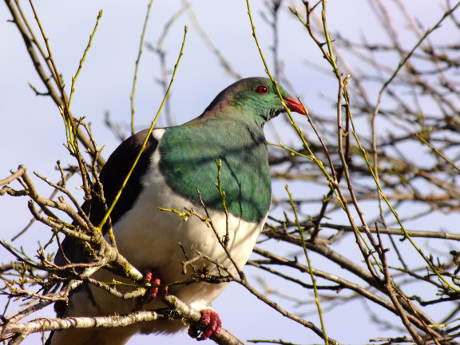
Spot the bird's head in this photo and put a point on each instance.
(255, 98)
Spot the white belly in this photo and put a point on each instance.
(164, 241)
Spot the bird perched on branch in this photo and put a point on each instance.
(212, 170)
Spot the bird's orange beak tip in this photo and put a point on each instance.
(296, 106)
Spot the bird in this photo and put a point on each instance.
(214, 167)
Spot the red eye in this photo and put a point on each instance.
(261, 89)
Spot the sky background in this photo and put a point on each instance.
(32, 131)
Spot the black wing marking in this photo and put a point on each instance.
(112, 176)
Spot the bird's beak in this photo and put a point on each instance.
(296, 106)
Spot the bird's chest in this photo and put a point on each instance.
(164, 230)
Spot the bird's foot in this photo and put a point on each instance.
(209, 325)
(156, 287)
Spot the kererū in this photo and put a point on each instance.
(178, 170)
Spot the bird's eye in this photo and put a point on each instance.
(261, 89)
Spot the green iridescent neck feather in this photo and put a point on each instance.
(239, 145)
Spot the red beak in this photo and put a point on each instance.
(296, 106)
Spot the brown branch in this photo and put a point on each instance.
(30, 43)
(49, 324)
(21, 170)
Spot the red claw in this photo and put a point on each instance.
(155, 288)
(209, 325)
